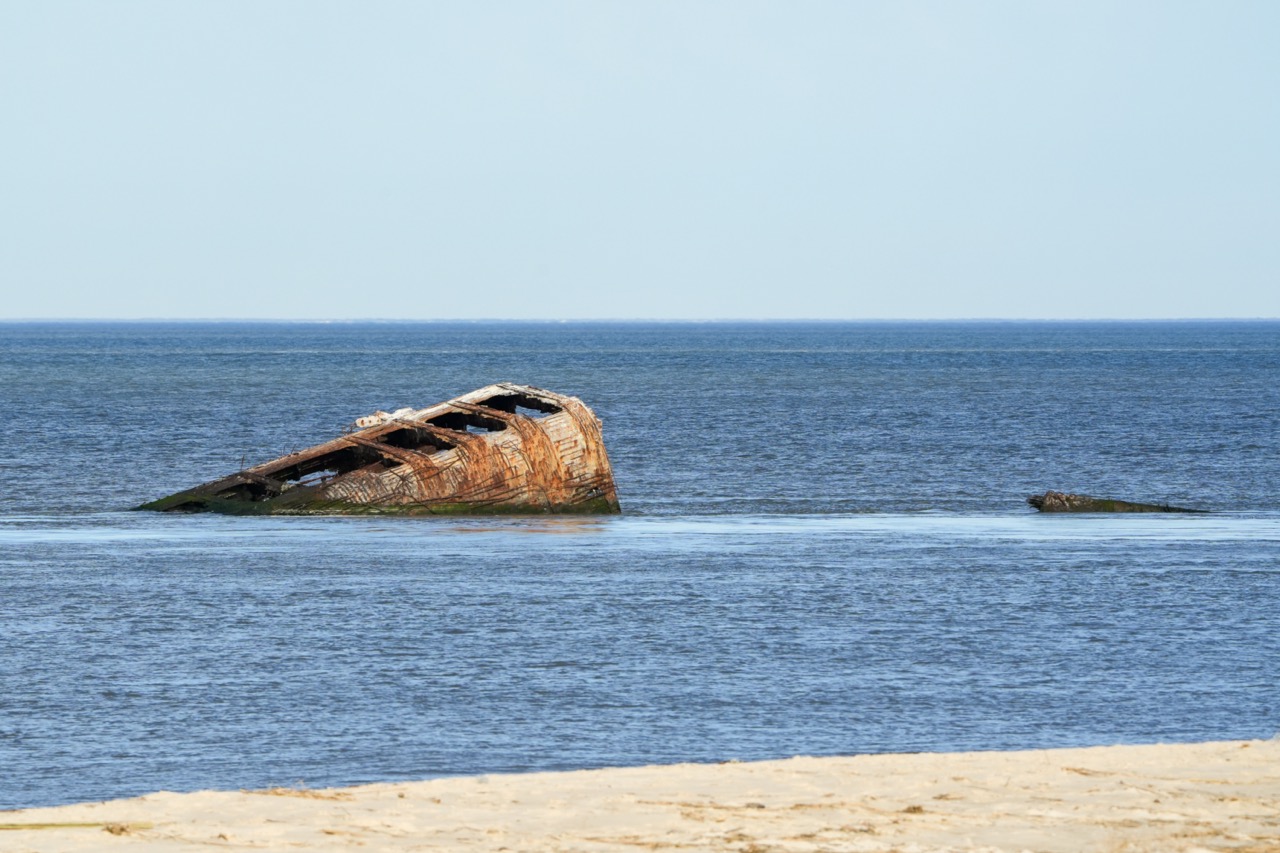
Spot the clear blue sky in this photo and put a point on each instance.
(431, 160)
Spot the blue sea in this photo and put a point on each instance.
(824, 549)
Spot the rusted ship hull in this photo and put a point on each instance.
(503, 448)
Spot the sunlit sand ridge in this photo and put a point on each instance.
(1186, 797)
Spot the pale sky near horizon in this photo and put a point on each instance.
(570, 160)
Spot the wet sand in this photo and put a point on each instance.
(1181, 797)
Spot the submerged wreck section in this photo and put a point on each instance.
(1062, 502)
(503, 448)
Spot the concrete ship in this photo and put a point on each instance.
(504, 448)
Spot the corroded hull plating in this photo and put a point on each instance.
(503, 448)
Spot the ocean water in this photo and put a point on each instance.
(825, 549)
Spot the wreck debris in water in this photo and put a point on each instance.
(1062, 502)
(503, 448)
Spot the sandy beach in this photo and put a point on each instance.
(1184, 797)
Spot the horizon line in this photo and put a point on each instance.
(672, 320)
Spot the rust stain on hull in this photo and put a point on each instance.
(504, 448)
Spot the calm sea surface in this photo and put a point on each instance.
(824, 550)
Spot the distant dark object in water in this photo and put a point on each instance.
(500, 449)
(1061, 502)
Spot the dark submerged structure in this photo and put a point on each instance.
(504, 448)
(1063, 502)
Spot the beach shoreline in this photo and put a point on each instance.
(1162, 797)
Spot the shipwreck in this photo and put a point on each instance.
(1063, 502)
(504, 448)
